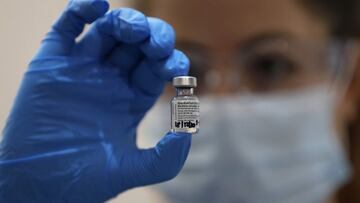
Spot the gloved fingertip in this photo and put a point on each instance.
(182, 65)
(128, 25)
(102, 6)
(172, 152)
(174, 144)
(89, 11)
(180, 134)
(163, 162)
(176, 65)
(162, 40)
(174, 140)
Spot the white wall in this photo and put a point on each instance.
(22, 26)
(23, 23)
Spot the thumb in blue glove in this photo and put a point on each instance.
(71, 136)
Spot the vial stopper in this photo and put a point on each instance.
(185, 81)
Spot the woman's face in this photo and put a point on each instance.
(256, 46)
(246, 45)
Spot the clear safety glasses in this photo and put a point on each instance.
(273, 66)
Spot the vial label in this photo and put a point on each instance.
(185, 116)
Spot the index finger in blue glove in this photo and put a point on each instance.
(158, 46)
(61, 39)
(150, 76)
(118, 27)
(162, 40)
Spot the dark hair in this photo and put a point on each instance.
(343, 15)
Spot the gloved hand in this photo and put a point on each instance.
(71, 136)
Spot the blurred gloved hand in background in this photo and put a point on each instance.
(71, 136)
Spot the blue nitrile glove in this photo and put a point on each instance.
(71, 136)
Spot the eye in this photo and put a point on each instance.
(270, 66)
(264, 71)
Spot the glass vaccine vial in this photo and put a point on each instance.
(185, 106)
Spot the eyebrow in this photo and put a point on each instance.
(255, 41)
(245, 45)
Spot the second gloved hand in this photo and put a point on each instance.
(71, 136)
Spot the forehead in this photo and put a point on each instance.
(229, 20)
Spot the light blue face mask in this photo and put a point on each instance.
(258, 150)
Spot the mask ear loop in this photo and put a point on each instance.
(343, 57)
